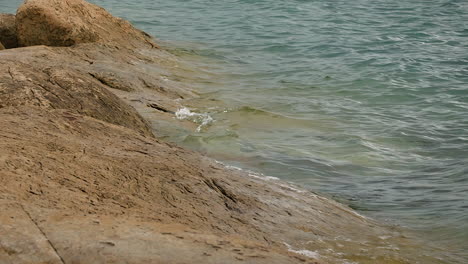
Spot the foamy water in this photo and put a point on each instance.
(202, 119)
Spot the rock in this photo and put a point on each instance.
(16, 222)
(151, 199)
(110, 79)
(102, 193)
(53, 86)
(70, 22)
(8, 31)
(1, 46)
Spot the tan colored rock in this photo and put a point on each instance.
(70, 22)
(8, 31)
(93, 187)
(57, 87)
(33, 247)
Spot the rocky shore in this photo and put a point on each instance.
(85, 179)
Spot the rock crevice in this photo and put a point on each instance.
(44, 234)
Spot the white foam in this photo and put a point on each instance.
(304, 252)
(201, 119)
(249, 172)
(231, 167)
(263, 177)
(289, 187)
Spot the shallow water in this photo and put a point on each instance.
(366, 101)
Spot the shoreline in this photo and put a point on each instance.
(84, 180)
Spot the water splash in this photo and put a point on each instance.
(304, 252)
(203, 119)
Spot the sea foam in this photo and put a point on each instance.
(202, 119)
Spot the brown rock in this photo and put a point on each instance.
(101, 193)
(70, 22)
(8, 31)
(56, 87)
(16, 222)
(1, 46)
(77, 173)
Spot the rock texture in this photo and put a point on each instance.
(56, 87)
(83, 179)
(8, 31)
(91, 187)
(70, 22)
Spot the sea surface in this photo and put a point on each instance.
(365, 101)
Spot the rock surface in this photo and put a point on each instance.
(8, 31)
(52, 86)
(70, 22)
(83, 180)
(1, 46)
(92, 187)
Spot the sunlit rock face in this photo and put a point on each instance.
(70, 22)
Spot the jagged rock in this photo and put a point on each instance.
(8, 31)
(70, 22)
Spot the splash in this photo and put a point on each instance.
(304, 252)
(202, 119)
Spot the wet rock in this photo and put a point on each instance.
(159, 108)
(8, 31)
(70, 22)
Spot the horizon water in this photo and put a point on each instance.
(364, 101)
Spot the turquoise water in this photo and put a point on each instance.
(366, 101)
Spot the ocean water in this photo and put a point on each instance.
(365, 101)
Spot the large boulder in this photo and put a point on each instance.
(8, 31)
(70, 22)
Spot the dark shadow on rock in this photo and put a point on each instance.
(8, 31)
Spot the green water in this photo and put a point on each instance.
(366, 101)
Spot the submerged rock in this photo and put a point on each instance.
(8, 31)
(70, 22)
